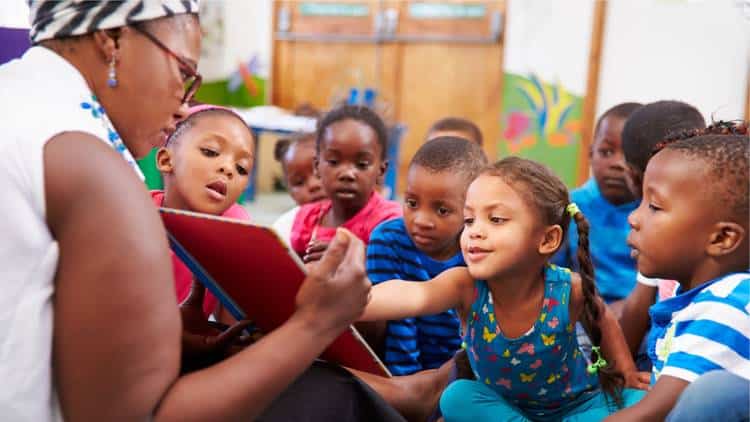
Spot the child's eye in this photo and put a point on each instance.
(468, 221)
(241, 170)
(653, 207)
(297, 182)
(497, 220)
(411, 203)
(209, 152)
(363, 165)
(332, 162)
(606, 152)
(442, 211)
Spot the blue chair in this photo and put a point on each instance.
(395, 134)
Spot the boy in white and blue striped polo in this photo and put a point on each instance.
(692, 226)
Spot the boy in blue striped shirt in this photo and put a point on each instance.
(692, 226)
(423, 244)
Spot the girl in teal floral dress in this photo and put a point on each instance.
(519, 312)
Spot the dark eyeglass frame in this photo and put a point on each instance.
(185, 67)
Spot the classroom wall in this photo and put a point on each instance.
(246, 32)
(694, 51)
(545, 73)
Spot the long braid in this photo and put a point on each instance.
(611, 381)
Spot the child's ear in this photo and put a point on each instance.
(164, 160)
(553, 236)
(725, 239)
(383, 168)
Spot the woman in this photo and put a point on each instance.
(78, 227)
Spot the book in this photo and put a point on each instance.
(255, 276)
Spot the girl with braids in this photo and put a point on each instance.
(519, 311)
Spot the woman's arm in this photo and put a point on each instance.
(116, 321)
(331, 298)
(117, 326)
(398, 299)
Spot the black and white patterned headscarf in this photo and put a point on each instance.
(65, 18)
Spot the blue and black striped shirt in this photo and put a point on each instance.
(412, 344)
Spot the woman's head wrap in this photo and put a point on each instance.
(65, 18)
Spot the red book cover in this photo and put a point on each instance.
(255, 276)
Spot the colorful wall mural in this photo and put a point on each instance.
(545, 67)
(541, 121)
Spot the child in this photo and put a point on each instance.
(643, 130)
(458, 127)
(297, 156)
(692, 226)
(523, 351)
(422, 245)
(350, 147)
(606, 201)
(205, 165)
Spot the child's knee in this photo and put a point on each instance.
(455, 397)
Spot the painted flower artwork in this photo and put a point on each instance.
(541, 121)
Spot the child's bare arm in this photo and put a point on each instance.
(613, 346)
(656, 405)
(398, 299)
(635, 320)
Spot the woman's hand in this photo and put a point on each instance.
(336, 289)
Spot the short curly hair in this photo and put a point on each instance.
(359, 113)
(453, 154)
(283, 144)
(724, 148)
(458, 124)
(651, 124)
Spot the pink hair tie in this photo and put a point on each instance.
(200, 107)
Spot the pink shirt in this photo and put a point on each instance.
(307, 221)
(183, 278)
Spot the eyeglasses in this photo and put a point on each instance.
(191, 78)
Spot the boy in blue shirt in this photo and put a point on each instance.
(692, 227)
(606, 201)
(423, 244)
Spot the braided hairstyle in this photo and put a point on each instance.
(546, 193)
(192, 119)
(735, 127)
(723, 146)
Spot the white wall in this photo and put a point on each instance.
(550, 39)
(246, 32)
(693, 51)
(14, 14)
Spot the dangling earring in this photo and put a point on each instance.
(112, 75)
